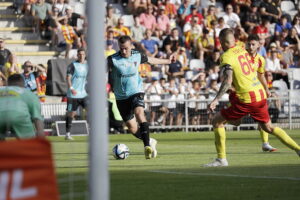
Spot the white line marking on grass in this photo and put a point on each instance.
(226, 175)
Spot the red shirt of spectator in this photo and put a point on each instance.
(194, 13)
(260, 30)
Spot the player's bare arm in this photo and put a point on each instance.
(159, 61)
(225, 86)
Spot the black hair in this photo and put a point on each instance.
(124, 38)
(15, 80)
(80, 49)
(253, 37)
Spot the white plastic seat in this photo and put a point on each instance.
(196, 65)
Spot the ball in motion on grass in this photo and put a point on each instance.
(120, 151)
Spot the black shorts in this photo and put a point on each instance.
(127, 106)
(73, 104)
(180, 107)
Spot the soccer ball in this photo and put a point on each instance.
(120, 151)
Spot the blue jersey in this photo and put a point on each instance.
(124, 74)
(78, 72)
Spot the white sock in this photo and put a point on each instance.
(68, 134)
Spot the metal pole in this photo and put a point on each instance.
(186, 113)
(98, 139)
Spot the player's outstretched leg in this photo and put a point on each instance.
(220, 138)
(69, 120)
(286, 139)
(265, 141)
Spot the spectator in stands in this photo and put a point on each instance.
(194, 14)
(211, 15)
(221, 25)
(41, 82)
(183, 89)
(274, 106)
(61, 6)
(192, 105)
(40, 12)
(273, 65)
(20, 109)
(30, 74)
(183, 11)
(175, 70)
(287, 56)
(231, 18)
(170, 7)
(296, 23)
(110, 18)
(251, 18)
(270, 11)
(110, 37)
(205, 45)
(282, 25)
(5, 55)
(244, 5)
(10, 69)
(213, 60)
(262, 30)
(173, 42)
(109, 48)
(120, 29)
(182, 57)
(149, 45)
(163, 21)
(293, 40)
(137, 30)
(148, 20)
(73, 20)
(269, 79)
(262, 50)
(172, 92)
(192, 30)
(66, 35)
(155, 90)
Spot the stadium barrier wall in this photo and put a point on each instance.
(191, 114)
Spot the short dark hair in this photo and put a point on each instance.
(123, 39)
(15, 80)
(253, 37)
(80, 49)
(225, 32)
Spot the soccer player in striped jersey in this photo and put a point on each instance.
(247, 97)
(128, 88)
(252, 46)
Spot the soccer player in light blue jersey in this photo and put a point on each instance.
(128, 88)
(76, 95)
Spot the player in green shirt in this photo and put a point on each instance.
(20, 110)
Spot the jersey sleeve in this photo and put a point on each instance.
(70, 70)
(261, 65)
(225, 60)
(144, 58)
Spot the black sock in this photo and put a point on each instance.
(144, 131)
(138, 135)
(68, 123)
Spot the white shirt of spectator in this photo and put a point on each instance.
(273, 65)
(202, 104)
(232, 20)
(171, 97)
(155, 94)
(192, 98)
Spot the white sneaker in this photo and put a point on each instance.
(68, 137)
(218, 162)
(153, 143)
(268, 147)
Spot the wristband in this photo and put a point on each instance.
(71, 88)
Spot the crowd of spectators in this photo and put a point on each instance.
(190, 28)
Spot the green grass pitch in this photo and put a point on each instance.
(177, 172)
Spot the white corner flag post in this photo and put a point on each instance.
(98, 138)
